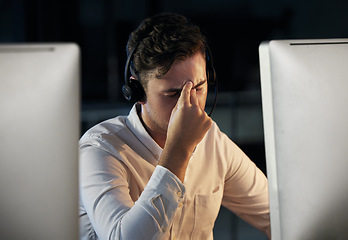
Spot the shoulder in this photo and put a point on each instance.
(104, 133)
(220, 143)
(216, 135)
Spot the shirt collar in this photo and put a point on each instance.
(135, 125)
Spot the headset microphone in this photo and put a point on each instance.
(211, 76)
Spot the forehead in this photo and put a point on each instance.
(191, 69)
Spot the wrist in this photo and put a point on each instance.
(175, 160)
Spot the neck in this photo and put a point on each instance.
(159, 139)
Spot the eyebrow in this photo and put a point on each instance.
(174, 90)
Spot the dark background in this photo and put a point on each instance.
(234, 28)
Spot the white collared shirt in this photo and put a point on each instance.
(125, 195)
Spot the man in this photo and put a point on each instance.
(163, 171)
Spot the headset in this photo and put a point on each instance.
(133, 91)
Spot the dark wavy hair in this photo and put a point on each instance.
(160, 41)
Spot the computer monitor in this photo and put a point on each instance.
(304, 87)
(39, 129)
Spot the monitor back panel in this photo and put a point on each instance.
(304, 96)
(39, 128)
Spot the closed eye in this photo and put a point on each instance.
(199, 86)
(174, 94)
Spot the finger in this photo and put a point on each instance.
(185, 94)
(193, 98)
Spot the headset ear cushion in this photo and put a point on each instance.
(127, 92)
(134, 91)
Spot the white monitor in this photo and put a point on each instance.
(304, 96)
(39, 129)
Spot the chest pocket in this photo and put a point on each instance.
(206, 210)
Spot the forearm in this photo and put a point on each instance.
(152, 215)
(175, 161)
(114, 215)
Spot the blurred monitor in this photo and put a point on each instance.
(304, 97)
(39, 129)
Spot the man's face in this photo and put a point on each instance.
(162, 94)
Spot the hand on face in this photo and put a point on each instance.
(188, 122)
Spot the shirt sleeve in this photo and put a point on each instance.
(246, 191)
(106, 198)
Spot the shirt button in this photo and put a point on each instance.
(180, 205)
(179, 194)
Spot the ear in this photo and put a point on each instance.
(143, 101)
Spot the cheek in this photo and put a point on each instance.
(163, 107)
(167, 106)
